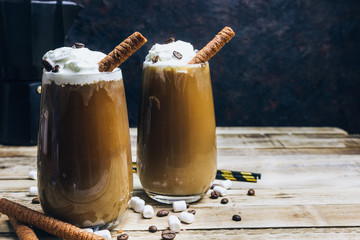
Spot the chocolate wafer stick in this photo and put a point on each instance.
(46, 223)
(23, 231)
(122, 52)
(213, 46)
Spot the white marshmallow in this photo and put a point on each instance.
(88, 230)
(148, 211)
(139, 205)
(104, 233)
(33, 191)
(179, 206)
(33, 174)
(187, 217)
(174, 223)
(133, 201)
(226, 184)
(221, 190)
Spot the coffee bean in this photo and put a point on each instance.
(152, 229)
(79, 45)
(35, 201)
(170, 40)
(187, 205)
(192, 211)
(162, 213)
(236, 218)
(155, 59)
(47, 65)
(251, 192)
(168, 235)
(56, 68)
(214, 195)
(177, 55)
(224, 201)
(214, 185)
(123, 236)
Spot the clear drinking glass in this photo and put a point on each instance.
(84, 156)
(176, 145)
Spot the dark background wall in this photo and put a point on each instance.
(291, 63)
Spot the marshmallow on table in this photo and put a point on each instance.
(139, 205)
(33, 174)
(226, 184)
(221, 190)
(133, 201)
(148, 211)
(33, 191)
(104, 233)
(179, 206)
(187, 217)
(174, 223)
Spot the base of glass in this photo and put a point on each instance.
(110, 225)
(169, 199)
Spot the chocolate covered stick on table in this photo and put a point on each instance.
(46, 223)
(213, 46)
(23, 231)
(122, 52)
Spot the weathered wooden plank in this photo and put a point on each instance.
(289, 233)
(269, 208)
(248, 136)
(264, 196)
(286, 171)
(273, 130)
(350, 233)
(253, 216)
(235, 142)
(280, 130)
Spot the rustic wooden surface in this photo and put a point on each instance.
(310, 187)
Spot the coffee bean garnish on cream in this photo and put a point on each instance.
(214, 185)
(236, 218)
(170, 40)
(177, 55)
(123, 236)
(78, 45)
(168, 235)
(47, 65)
(155, 59)
(152, 229)
(162, 213)
(56, 68)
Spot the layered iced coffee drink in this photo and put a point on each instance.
(176, 145)
(84, 156)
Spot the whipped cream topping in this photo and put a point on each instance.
(167, 56)
(77, 66)
(74, 60)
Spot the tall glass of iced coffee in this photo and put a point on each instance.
(84, 156)
(176, 145)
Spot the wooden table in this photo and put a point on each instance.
(310, 187)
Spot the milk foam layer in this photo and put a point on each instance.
(166, 56)
(77, 66)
